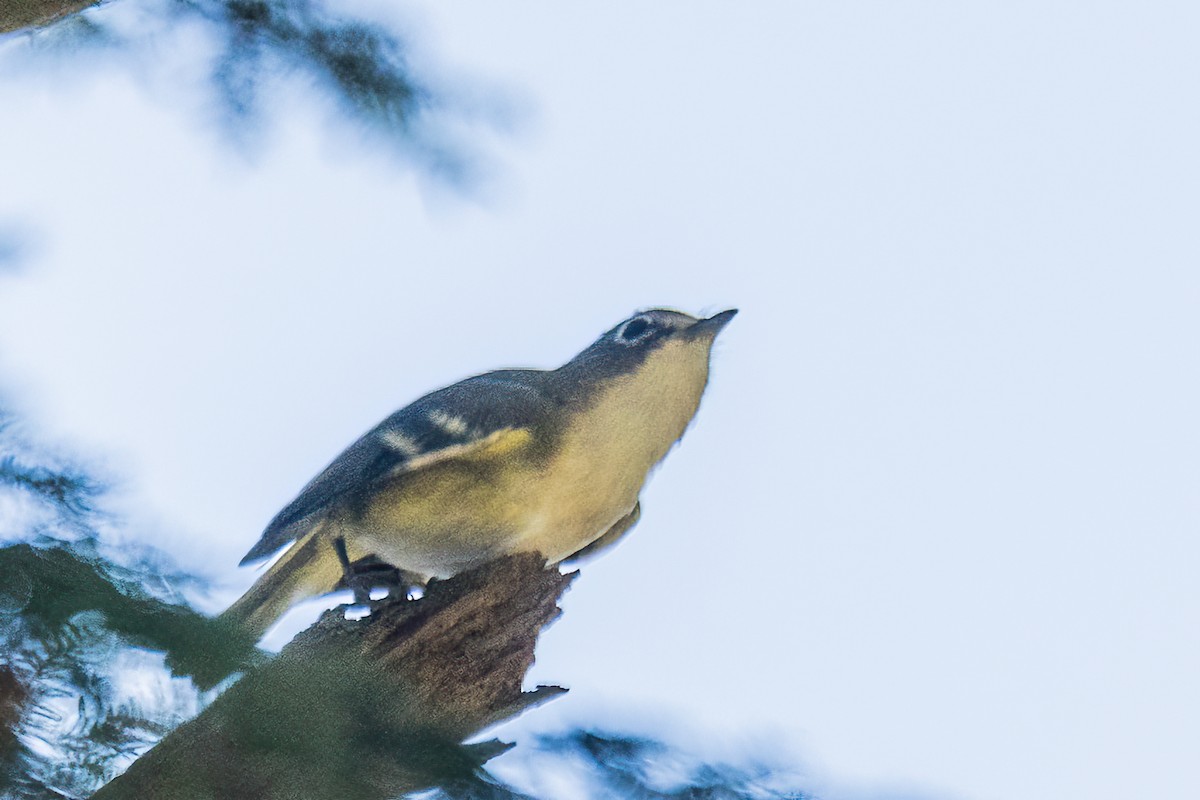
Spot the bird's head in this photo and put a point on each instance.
(661, 345)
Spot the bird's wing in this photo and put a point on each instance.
(468, 419)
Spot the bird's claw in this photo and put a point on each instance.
(369, 573)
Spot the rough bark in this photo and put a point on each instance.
(18, 14)
(367, 709)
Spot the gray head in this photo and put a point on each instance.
(648, 339)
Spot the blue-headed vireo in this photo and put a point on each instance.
(517, 460)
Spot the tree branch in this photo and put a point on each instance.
(367, 709)
(18, 14)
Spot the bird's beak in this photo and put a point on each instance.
(712, 326)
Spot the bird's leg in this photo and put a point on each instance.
(370, 572)
(350, 579)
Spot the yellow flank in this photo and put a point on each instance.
(457, 508)
(466, 504)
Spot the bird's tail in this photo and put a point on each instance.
(309, 568)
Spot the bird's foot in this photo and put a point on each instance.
(370, 573)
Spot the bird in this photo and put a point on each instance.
(510, 461)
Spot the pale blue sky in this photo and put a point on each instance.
(936, 523)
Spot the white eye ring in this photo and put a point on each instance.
(646, 324)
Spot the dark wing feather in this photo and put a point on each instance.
(466, 412)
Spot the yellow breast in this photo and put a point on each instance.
(610, 447)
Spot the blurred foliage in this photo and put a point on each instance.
(361, 65)
(595, 765)
(81, 694)
(70, 725)
(12, 247)
(253, 47)
(637, 768)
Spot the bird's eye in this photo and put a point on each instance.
(634, 330)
